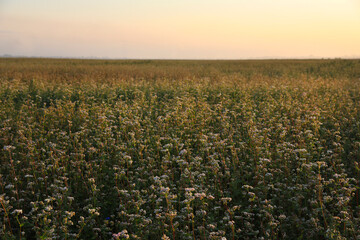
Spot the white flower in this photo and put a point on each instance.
(182, 152)
(17, 211)
(164, 237)
(8, 148)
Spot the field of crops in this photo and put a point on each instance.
(101, 149)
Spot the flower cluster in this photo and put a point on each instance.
(136, 151)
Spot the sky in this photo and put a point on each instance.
(181, 29)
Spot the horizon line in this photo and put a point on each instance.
(4, 56)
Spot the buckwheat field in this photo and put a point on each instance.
(125, 149)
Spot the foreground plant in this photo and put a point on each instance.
(257, 156)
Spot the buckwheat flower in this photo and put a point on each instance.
(92, 210)
(321, 163)
(9, 186)
(48, 208)
(189, 189)
(226, 200)
(164, 237)
(17, 211)
(210, 197)
(70, 214)
(8, 148)
(116, 235)
(302, 150)
(123, 234)
(169, 145)
(182, 152)
(251, 194)
(265, 160)
(201, 212)
(211, 226)
(200, 195)
(231, 223)
(92, 149)
(164, 190)
(213, 235)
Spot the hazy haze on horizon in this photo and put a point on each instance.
(212, 29)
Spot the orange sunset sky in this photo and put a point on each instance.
(197, 29)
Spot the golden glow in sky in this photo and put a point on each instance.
(197, 29)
